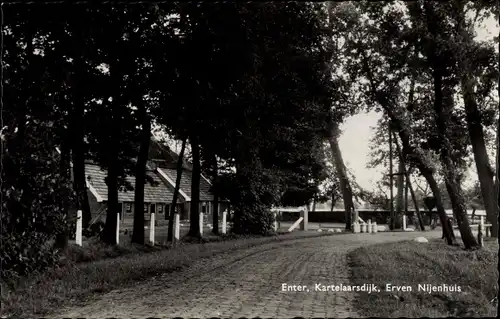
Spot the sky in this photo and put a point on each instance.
(357, 130)
(353, 143)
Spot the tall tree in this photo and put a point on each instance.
(173, 205)
(369, 53)
(472, 58)
(400, 181)
(140, 178)
(342, 174)
(194, 214)
(443, 105)
(409, 186)
(215, 213)
(334, 130)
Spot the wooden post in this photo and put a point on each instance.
(369, 225)
(177, 226)
(363, 228)
(224, 221)
(79, 228)
(117, 228)
(375, 229)
(404, 222)
(152, 229)
(305, 217)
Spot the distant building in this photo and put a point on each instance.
(161, 169)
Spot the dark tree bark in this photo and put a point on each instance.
(109, 231)
(342, 174)
(404, 134)
(409, 186)
(78, 150)
(474, 126)
(194, 222)
(400, 181)
(442, 108)
(215, 214)
(497, 171)
(112, 161)
(77, 129)
(62, 237)
(391, 181)
(180, 160)
(140, 181)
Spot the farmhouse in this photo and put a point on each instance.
(158, 192)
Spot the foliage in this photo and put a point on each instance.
(32, 202)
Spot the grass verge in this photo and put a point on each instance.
(411, 264)
(97, 268)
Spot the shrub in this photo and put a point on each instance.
(34, 194)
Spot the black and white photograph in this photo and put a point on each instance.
(249, 159)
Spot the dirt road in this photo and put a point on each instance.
(248, 283)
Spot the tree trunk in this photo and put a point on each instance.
(215, 214)
(473, 116)
(409, 186)
(314, 205)
(78, 152)
(391, 181)
(194, 222)
(178, 178)
(80, 184)
(140, 180)
(402, 128)
(342, 174)
(62, 236)
(498, 170)
(443, 106)
(109, 231)
(400, 181)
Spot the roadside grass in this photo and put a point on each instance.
(97, 268)
(435, 263)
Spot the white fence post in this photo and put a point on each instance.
(224, 221)
(369, 226)
(152, 229)
(117, 228)
(404, 222)
(78, 234)
(375, 229)
(363, 228)
(177, 226)
(275, 221)
(356, 227)
(201, 223)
